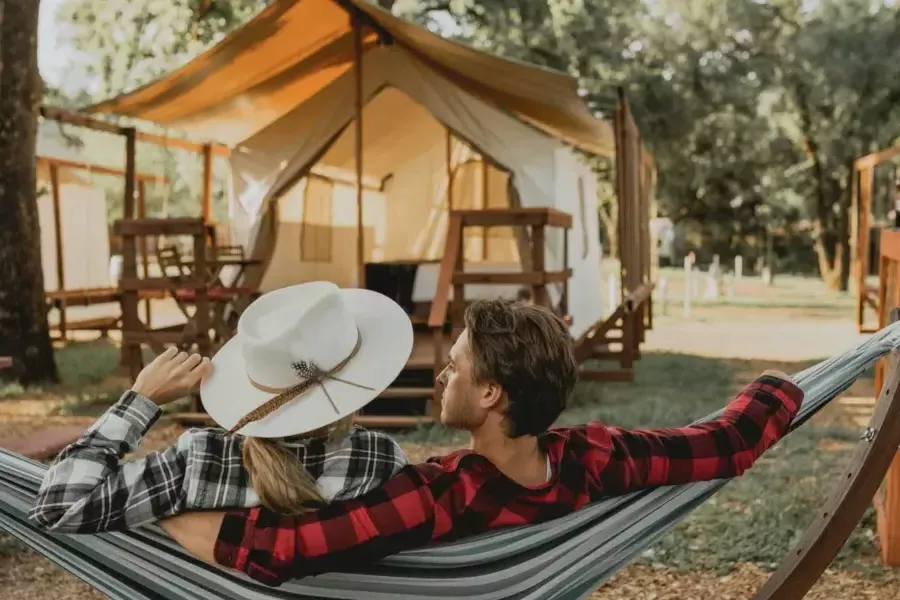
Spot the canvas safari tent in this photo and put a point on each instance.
(442, 126)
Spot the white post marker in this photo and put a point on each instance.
(661, 294)
(688, 285)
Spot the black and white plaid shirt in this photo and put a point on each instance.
(88, 489)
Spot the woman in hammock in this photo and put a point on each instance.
(284, 390)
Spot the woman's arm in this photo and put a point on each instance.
(88, 489)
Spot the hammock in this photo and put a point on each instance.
(562, 559)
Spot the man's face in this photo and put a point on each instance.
(461, 403)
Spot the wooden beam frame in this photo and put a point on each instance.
(54, 165)
(134, 182)
(98, 169)
(848, 501)
(90, 122)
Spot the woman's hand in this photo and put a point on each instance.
(171, 375)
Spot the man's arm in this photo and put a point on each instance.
(272, 548)
(725, 447)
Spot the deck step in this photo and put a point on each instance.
(618, 375)
(390, 421)
(408, 392)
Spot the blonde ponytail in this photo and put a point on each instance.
(278, 477)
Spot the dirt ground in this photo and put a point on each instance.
(762, 336)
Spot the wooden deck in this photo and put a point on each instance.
(93, 296)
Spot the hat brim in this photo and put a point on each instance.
(386, 344)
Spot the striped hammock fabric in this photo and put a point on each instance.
(560, 560)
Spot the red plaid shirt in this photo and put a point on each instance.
(463, 493)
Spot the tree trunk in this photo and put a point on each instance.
(24, 334)
(830, 259)
(610, 223)
(844, 229)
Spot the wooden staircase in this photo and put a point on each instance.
(414, 398)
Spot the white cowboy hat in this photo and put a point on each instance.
(304, 357)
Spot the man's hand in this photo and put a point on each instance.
(171, 375)
(776, 374)
(196, 532)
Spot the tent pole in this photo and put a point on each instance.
(484, 204)
(206, 199)
(360, 230)
(449, 161)
(145, 248)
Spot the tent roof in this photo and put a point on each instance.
(278, 60)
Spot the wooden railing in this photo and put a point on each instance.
(888, 285)
(626, 327)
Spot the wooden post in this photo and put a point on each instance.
(854, 228)
(448, 154)
(203, 315)
(564, 301)
(485, 186)
(862, 262)
(206, 199)
(131, 352)
(360, 227)
(538, 247)
(58, 238)
(145, 251)
(887, 499)
(459, 290)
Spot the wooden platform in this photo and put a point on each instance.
(44, 443)
(84, 297)
(94, 296)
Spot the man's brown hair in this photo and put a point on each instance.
(527, 350)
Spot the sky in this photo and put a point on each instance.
(51, 63)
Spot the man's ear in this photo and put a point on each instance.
(491, 395)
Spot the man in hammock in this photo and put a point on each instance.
(509, 377)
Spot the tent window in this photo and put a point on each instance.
(318, 225)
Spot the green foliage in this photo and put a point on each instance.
(122, 44)
(119, 45)
(753, 109)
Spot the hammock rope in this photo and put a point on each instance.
(562, 559)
